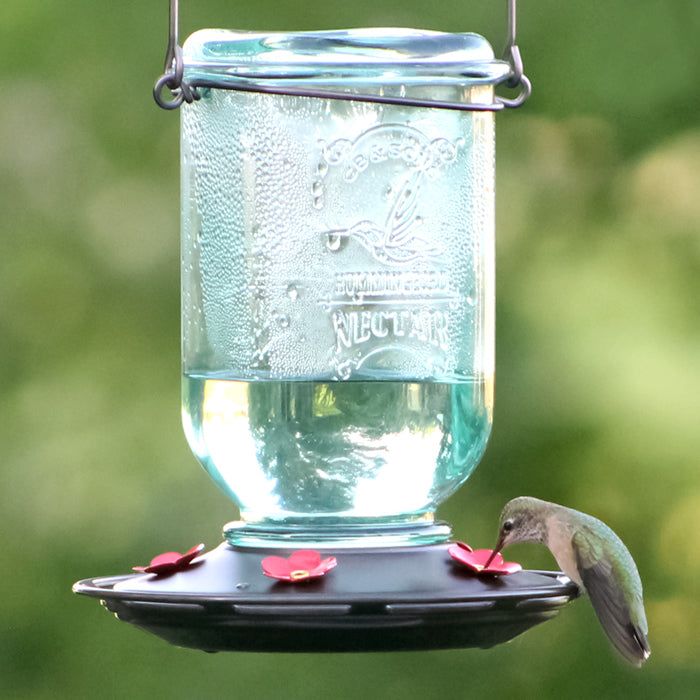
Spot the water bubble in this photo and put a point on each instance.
(317, 188)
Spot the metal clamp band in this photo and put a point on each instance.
(186, 91)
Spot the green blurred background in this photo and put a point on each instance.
(598, 367)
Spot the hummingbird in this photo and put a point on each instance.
(594, 558)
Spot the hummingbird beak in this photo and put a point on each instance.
(496, 549)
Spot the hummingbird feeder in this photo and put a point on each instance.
(337, 341)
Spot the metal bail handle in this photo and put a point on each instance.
(182, 91)
(516, 78)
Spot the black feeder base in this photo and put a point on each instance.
(384, 599)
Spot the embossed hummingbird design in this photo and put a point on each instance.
(397, 242)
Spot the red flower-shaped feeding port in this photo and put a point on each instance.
(170, 562)
(300, 566)
(475, 559)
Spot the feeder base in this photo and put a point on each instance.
(392, 599)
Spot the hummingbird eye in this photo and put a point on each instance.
(508, 526)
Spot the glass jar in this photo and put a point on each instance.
(338, 277)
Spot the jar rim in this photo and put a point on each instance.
(384, 56)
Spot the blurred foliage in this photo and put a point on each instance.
(598, 388)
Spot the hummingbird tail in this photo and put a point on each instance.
(643, 643)
(629, 640)
(615, 591)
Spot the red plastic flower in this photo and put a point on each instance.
(301, 566)
(170, 562)
(475, 559)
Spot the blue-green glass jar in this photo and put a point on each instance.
(338, 278)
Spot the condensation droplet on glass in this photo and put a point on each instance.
(344, 370)
(436, 366)
(333, 241)
(292, 292)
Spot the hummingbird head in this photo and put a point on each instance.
(522, 520)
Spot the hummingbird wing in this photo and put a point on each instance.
(615, 589)
(402, 217)
(401, 243)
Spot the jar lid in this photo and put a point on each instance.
(373, 58)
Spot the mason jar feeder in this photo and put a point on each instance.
(337, 340)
